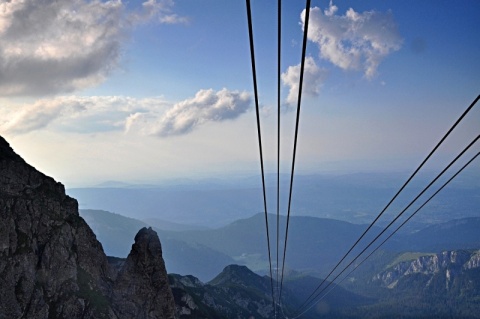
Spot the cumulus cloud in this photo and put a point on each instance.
(313, 79)
(51, 46)
(150, 116)
(185, 116)
(79, 114)
(355, 40)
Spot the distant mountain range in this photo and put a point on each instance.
(237, 292)
(356, 198)
(171, 226)
(443, 285)
(431, 273)
(315, 244)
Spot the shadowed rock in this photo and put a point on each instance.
(51, 264)
(141, 289)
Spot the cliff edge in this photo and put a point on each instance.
(51, 264)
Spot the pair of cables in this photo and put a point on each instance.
(257, 112)
(279, 287)
(316, 295)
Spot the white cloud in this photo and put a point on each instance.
(161, 11)
(313, 79)
(133, 119)
(79, 114)
(51, 46)
(354, 40)
(173, 19)
(185, 116)
(150, 116)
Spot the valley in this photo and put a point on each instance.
(412, 274)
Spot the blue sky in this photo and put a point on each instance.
(93, 91)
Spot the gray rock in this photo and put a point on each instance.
(51, 264)
(447, 263)
(141, 289)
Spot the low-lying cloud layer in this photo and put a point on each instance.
(151, 116)
(50, 46)
(356, 41)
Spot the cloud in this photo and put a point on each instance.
(183, 117)
(51, 46)
(355, 40)
(149, 116)
(313, 79)
(134, 119)
(161, 11)
(78, 114)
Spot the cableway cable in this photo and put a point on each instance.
(394, 220)
(279, 72)
(257, 109)
(302, 67)
(394, 197)
(314, 295)
(395, 231)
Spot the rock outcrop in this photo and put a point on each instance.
(141, 289)
(51, 264)
(447, 264)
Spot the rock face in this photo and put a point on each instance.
(51, 264)
(141, 289)
(447, 264)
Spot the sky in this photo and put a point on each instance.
(133, 91)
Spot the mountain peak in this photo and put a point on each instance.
(18, 178)
(144, 272)
(241, 276)
(145, 236)
(7, 153)
(238, 269)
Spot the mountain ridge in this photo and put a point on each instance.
(353, 197)
(243, 242)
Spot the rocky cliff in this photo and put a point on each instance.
(51, 264)
(447, 264)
